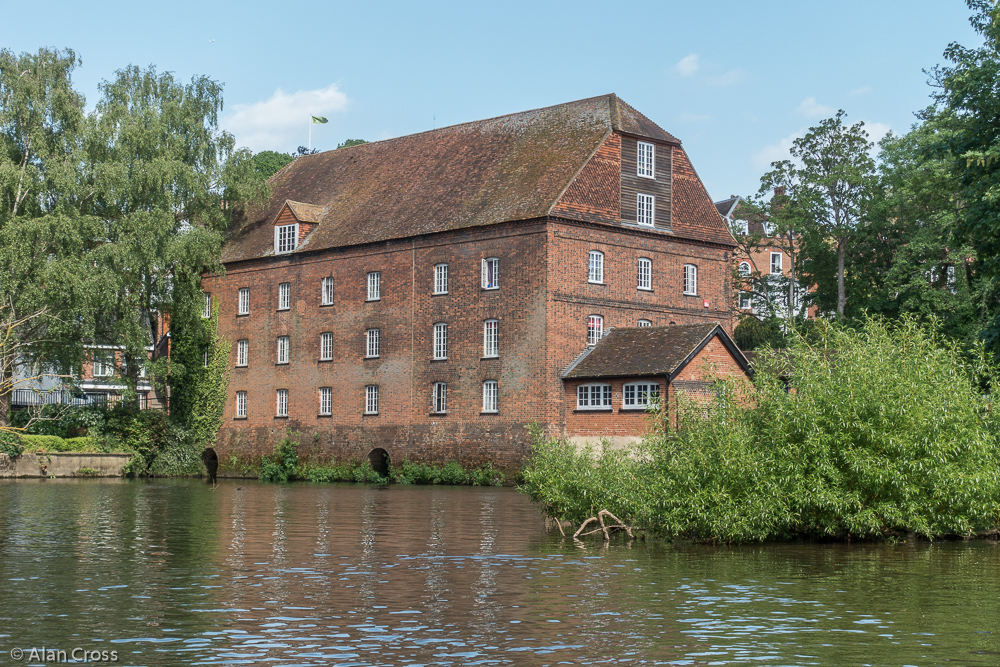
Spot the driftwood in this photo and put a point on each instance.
(605, 528)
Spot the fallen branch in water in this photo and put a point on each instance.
(605, 528)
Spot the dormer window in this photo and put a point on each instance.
(646, 159)
(741, 227)
(286, 238)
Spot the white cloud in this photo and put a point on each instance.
(729, 78)
(860, 91)
(688, 65)
(810, 108)
(281, 122)
(763, 158)
(876, 131)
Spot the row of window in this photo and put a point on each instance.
(635, 395)
(491, 344)
(776, 265)
(644, 273)
(490, 280)
(439, 400)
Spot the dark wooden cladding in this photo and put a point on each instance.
(632, 184)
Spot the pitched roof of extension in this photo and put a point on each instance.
(649, 351)
(726, 207)
(513, 167)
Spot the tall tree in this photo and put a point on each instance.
(968, 88)
(167, 182)
(828, 191)
(43, 236)
(268, 163)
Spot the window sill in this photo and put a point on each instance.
(438, 414)
(325, 305)
(281, 416)
(282, 363)
(375, 357)
(324, 361)
(369, 414)
(324, 416)
(595, 282)
(593, 410)
(242, 366)
(652, 178)
(433, 359)
(281, 310)
(439, 294)
(490, 289)
(495, 356)
(641, 408)
(645, 289)
(242, 314)
(239, 419)
(489, 412)
(368, 300)
(689, 294)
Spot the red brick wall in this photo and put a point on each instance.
(606, 423)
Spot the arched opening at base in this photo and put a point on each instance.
(379, 458)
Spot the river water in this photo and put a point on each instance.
(172, 572)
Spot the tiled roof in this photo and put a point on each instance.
(648, 351)
(513, 167)
(305, 212)
(725, 207)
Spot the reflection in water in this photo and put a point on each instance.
(172, 572)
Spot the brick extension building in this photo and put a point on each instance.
(425, 295)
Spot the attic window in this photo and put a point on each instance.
(646, 155)
(286, 238)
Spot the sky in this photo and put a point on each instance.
(735, 81)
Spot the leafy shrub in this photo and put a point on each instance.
(85, 444)
(59, 420)
(10, 444)
(337, 472)
(880, 430)
(43, 443)
(365, 473)
(486, 475)
(283, 465)
(451, 472)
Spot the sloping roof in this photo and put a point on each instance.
(513, 167)
(726, 206)
(649, 351)
(305, 212)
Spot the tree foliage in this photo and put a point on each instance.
(268, 163)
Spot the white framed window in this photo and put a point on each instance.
(644, 274)
(491, 273)
(371, 342)
(595, 267)
(646, 162)
(441, 340)
(282, 403)
(746, 300)
(371, 399)
(744, 269)
(204, 362)
(326, 400)
(645, 323)
(690, 279)
(439, 398)
(326, 295)
(593, 396)
(768, 228)
(491, 338)
(284, 296)
(206, 307)
(326, 346)
(490, 396)
(241, 404)
(242, 352)
(645, 207)
(595, 329)
(741, 227)
(776, 263)
(284, 346)
(640, 394)
(440, 278)
(286, 238)
(243, 302)
(374, 286)
(104, 364)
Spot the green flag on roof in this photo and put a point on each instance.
(319, 119)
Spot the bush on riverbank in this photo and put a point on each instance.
(284, 466)
(878, 431)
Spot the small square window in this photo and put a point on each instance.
(326, 400)
(282, 403)
(490, 396)
(374, 286)
(371, 399)
(645, 164)
(372, 343)
(284, 296)
(326, 296)
(439, 398)
(491, 273)
(286, 238)
(441, 279)
(644, 209)
(595, 267)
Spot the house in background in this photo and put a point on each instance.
(423, 297)
(766, 270)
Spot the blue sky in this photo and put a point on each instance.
(735, 81)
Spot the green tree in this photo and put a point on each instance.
(166, 183)
(347, 143)
(268, 163)
(967, 88)
(43, 235)
(828, 188)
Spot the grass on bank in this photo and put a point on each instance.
(866, 433)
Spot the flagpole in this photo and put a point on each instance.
(310, 147)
